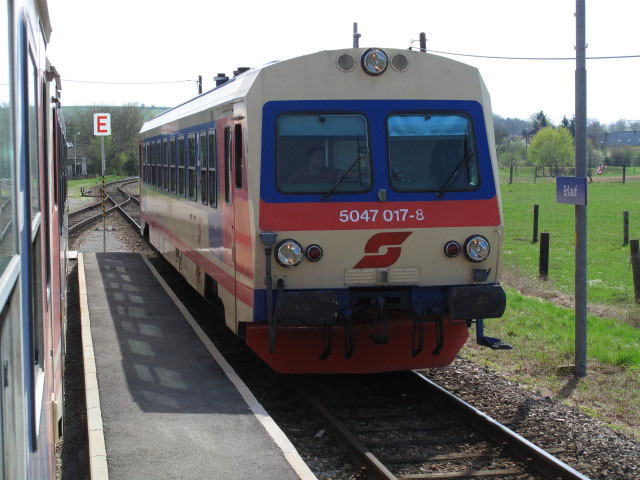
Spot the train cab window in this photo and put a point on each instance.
(172, 165)
(181, 165)
(212, 161)
(238, 149)
(316, 151)
(165, 165)
(192, 167)
(431, 152)
(202, 162)
(227, 165)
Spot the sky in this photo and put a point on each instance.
(166, 41)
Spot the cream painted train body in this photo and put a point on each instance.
(343, 206)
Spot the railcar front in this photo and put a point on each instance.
(379, 223)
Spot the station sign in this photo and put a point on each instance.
(102, 124)
(571, 190)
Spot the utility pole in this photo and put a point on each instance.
(75, 154)
(581, 210)
(199, 84)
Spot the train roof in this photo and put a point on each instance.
(238, 87)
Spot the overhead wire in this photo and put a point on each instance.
(496, 57)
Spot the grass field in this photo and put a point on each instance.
(608, 271)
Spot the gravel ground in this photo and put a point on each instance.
(602, 453)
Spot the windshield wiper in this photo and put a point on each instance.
(454, 174)
(342, 178)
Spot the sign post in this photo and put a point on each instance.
(102, 127)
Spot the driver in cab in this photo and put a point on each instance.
(316, 171)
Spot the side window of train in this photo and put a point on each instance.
(172, 165)
(203, 162)
(227, 165)
(192, 167)
(7, 175)
(165, 165)
(159, 163)
(239, 149)
(181, 163)
(34, 162)
(145, 164)
(212, 165)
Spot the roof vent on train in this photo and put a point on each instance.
(220, 79)
(240, 70)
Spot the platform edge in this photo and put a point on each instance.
(280, 439)
(98, 469)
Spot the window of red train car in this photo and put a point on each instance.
(227, 165)
(159, 164)
(239, 148)
(34, 163)
(192, 167)
(172, 165)
(7, 240)
(152, 163)
(431, 152)
(202, 162)
(212, 161)
(146, 163)
(181, 166)
(165, 165)
(314, 152)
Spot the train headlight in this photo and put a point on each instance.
(289, 253)
(374, 61)
(476, 248)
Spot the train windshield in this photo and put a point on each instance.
(429, 151)
(315, 150)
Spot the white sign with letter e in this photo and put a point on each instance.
(102, 124)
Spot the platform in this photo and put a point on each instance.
(166, 407)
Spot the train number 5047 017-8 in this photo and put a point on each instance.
(399, 215)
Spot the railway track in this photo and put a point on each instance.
(404, 426)
(119, 199)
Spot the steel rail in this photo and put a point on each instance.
(359, 452)
(129, 198)
(537, 458)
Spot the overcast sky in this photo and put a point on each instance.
(163, 41)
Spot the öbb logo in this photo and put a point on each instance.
(386, 239)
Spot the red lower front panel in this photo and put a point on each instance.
(298, 349)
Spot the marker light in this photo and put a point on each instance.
(289, 253)
(374, 61)
(476, 248)
(313, 253)
(452, 249)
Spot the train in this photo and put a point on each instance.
(33, 245)
(342, 207)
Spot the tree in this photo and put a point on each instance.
(551, 147)
(512, 152)
(594, 127)
(569, 125)
(120, 147)
(618, 125)
(621, 157)
(539, 120)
